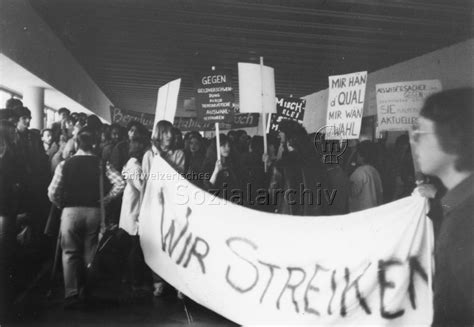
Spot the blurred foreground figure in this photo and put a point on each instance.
(444, 145)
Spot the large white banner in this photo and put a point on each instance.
(345, 106)
(398, 104)
(370, 267)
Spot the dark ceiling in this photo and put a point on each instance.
(130, 48)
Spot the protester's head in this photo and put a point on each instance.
(86, 139)
(68, 129)
(63, 113)
(77, 127)
(195, 143)
(296, 138)
(105, 133)
(94, 122)
(13, 103)
(225, 151)
(117, 133)
(82, 116)
(137, 148)
(402, 143)
(163, 136)
(241, 141)
(178, 138)
(232, 135)
(47, 136)
(225, 146)
(444, 134)
(24, 118)
(256, 145)
(136, 130)
(366, 153)
(74, 116)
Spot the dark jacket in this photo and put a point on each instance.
(294, 186)
(454, 258)
(119, 155)
(228, 184)
(254, 180)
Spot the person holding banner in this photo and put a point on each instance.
(163, 144)
(444, 147)
(296, 178)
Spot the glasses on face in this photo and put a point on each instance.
(415, 133)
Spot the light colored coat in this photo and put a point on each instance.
(133, 175)
(366, 189)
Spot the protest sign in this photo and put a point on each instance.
(256, 88)
(123, 117)
(167, 101)
(289, 109)
(214, 96)
(371, 267)
(345, 105)
(398, 104)
(194, 124)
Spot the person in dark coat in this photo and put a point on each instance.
(298, 175)
(444, 147)
(225, 176)
(33, 162)
(120, 153)
(59, 126)
(254, 174)
(9, 199)
(194, 153)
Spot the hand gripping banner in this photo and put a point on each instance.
(370, 267)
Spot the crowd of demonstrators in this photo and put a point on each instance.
(86, 163)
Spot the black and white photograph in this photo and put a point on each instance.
(236, 163)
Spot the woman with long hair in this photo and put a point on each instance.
(225, 177)
(195, 154)
(164, 145)
(298, 175)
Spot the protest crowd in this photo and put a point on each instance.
(81, 178)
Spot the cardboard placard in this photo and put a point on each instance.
(345, 105)
(289, 109)
(398, 104)
(214, 96)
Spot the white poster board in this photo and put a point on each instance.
(167, 101)
(252, 77)
(345, 106)
(398, 104)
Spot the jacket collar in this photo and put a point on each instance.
(458, 194)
